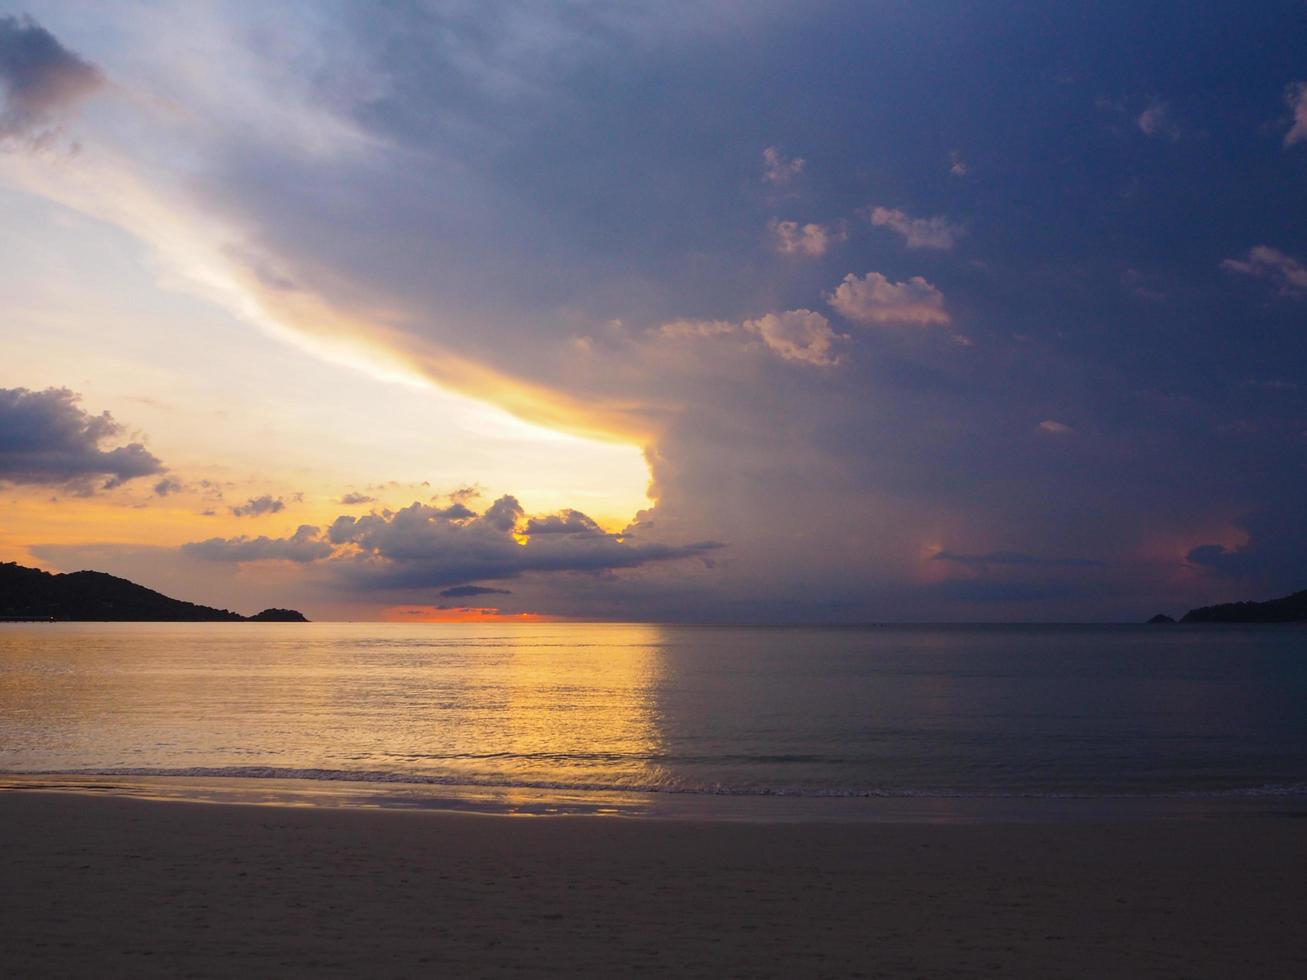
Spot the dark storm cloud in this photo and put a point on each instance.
(468, 591)
(423, 547)
(258, 506)
(592, 174)
(456, 511)
(46, 437)
(1272, 560)
(39, 77)
(1231, 562)
(1012, 558)
(305, 545)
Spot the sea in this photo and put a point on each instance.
(877, 722)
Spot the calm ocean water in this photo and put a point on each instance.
(943, 712)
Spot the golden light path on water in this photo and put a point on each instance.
(539, 705)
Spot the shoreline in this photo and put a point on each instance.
(397, 795)
(117, 886)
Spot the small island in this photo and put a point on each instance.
(31, 594)
(278, 616)
(1287, 609)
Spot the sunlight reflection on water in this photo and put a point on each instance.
(514, 711)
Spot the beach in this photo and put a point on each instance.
(112, 886)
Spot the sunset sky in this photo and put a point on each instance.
(739, 311)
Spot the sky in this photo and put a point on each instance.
(734, 312)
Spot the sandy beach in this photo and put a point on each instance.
(125, 887)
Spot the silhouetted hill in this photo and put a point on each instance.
(1290, 609)
(1160, 619)
(29, 593)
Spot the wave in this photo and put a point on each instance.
(1264, 791)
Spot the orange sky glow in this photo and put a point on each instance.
(461, 614)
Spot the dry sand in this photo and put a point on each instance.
(122, 887)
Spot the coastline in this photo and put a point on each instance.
(341, 791)
(124, 886)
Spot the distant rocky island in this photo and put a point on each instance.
(1289, 609)
(29, 593)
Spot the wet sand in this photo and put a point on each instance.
(123, 887)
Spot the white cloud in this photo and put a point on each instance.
(874, 299)
(1296, 96)
(801, 336)
(1055, 428)
(797, 335)
(1156, 121)
(792, 238)
(1264, 262)
(936, 232)
(778, 169)
(679, 329)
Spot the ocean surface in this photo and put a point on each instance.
(491, 714)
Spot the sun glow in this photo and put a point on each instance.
(461, 614)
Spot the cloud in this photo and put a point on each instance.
(420, 547)
(468, 591)
(258, 506)
(812, 240)
(1264, 262)
(598, 185)
(1266, 563)
(47, 438)
(1296, 97)
(873, 299)
(503, 515)
(682, 329)
(457, 511)
(39, 77)
(797, 335)
(1156, 121)
(353, 499)
(777, 169)
(168, 485)
(1143, 286)
(306, 545)
(1010, 558)
(1230, 562)
(1271, 561)
(937, 232)
(957, 166)
(1054, 428)
(417, 548)
(564, 522)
